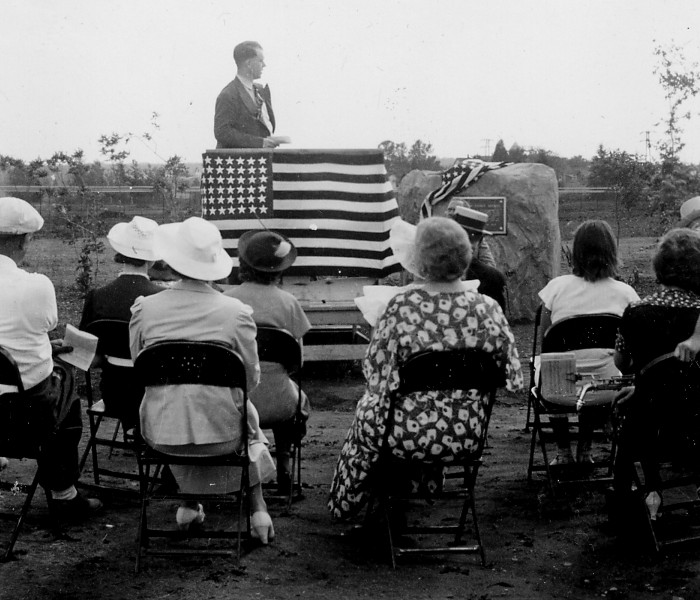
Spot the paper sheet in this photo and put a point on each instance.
(84, 347)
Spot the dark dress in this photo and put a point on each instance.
(649, 329)
(120, 392)
(491, 281)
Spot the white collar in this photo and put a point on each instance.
(245, 85)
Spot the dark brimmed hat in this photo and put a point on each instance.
(266, 251)
(473, 221)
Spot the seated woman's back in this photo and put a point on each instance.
(591, 288)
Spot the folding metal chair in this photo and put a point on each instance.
(280, 346)
(14, 425)
(113, 345)
(200, 363)
(469, 369)
(666, 396)
(573, 333)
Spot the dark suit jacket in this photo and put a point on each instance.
(121, 393)
(492, 281)
(235, 122)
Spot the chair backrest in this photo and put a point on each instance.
(582, 331)
(450, 370)
(113, 337)
(671, 389)
(177, 362)
(9, 372)
(466, 369)
(279, 346)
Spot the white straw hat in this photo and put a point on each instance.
(193, 248)
(473, 221)
(690, 210)
(17, 216)
(134, 239)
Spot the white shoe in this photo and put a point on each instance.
(186, 516)
(3, 463)
(261, 527)
(653, 502)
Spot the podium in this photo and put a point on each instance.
(339, 332)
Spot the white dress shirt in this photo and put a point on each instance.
(28, 312)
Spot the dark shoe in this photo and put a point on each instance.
(77, 509)
(564, 457)
(168, 484)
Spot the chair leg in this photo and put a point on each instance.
(243, 512)
(529, 412)
(533, 445)
(114, 438)
(295, 473)
(22, 515)
(94, 426)
(543, 448)
(386, 515)
(477, 535)
(92, 447)
(142, 533)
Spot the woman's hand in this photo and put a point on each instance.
(688, 350)
(57, 348)
(622, 397)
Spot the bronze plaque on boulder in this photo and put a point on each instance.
(494, 207)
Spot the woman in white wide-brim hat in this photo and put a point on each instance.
(133, 246)
(193, 310)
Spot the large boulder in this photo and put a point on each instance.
(530, 253)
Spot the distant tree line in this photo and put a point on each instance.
(659, 186)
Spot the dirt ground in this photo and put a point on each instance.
(536, 546)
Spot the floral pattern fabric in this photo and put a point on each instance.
(435, 427)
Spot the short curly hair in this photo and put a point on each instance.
(594, 256)
(677, 260)
(443, 251)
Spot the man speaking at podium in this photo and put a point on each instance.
(243, 117)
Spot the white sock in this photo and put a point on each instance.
(67, 494)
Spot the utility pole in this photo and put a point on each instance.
(647, 146)
(487, 147)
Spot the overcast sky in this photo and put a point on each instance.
(562, 75)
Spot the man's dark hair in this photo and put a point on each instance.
(245, 50)
(594, 256)
(128, 260)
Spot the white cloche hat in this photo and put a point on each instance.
(17, 217)
(134, 239)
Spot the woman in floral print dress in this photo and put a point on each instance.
(439, 315)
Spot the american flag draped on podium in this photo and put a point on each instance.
(336, 206)
(459, 176)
